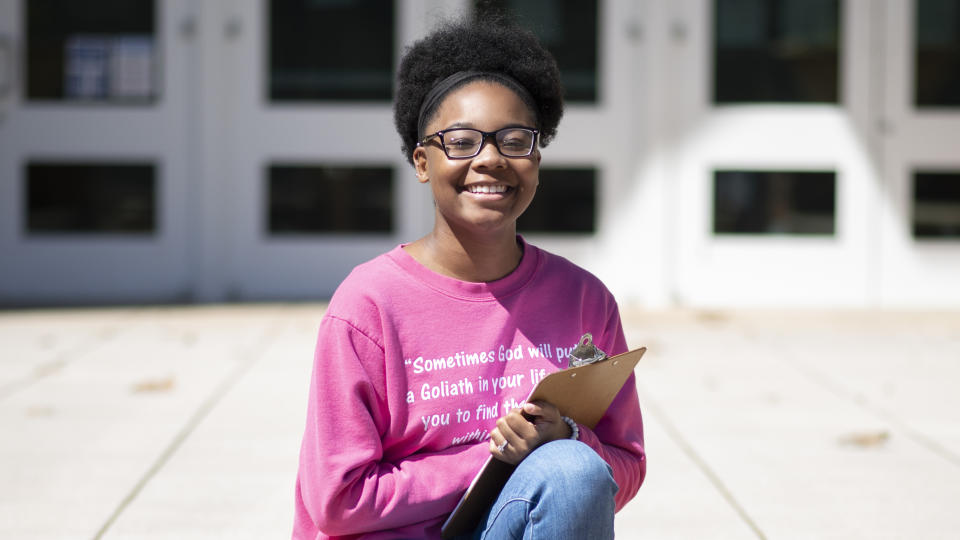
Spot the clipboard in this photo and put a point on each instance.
(583, 393)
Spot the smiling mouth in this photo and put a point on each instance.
(487, 189)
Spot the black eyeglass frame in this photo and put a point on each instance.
(483, 139)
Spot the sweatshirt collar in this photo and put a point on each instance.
(487, 290)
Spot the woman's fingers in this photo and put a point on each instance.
(513, 438)
(518, 431)
(541, 410)
(522, 430)
(504, 450)
(548, 421)
(498, 445)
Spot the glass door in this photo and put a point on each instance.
(771, 182)
(921, 205)
(316, 180)
(95, 148)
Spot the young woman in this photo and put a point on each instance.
(426, 353)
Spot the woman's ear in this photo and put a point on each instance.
(420, 164)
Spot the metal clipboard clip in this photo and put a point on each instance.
(585, 352)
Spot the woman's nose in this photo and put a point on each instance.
(489, 153)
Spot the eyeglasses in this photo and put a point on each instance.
(464, 143)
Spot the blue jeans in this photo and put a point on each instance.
(563, 489)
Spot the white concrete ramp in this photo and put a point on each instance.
(185, 423)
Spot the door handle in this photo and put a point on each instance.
(233, 28)
(6, 67)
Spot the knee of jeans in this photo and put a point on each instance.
(574, 465)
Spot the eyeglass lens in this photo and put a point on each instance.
(511, 142)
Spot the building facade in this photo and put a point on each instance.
(789, 153)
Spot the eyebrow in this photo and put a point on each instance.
(470, 125)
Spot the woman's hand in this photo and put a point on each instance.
(526, 428)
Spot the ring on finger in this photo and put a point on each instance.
(502, 447)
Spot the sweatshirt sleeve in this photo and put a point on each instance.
(618, 437)
(344, 484)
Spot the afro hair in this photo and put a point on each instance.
(491, 44)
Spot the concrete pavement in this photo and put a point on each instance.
(184, 422)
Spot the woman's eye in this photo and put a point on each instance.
(460, 143)
(513, 143)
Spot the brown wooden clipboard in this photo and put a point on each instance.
(583, 393)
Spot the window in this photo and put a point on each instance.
(90, 198)
(568, 29)
(936, 204)
(565, 202)
(774, 202)
(331, 50)
(320, 199)
(91, 51)
(785, 51)
(938, 53)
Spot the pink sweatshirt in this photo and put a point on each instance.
(412, 370)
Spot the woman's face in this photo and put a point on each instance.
(486, 193)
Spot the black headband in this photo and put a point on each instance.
(441, 89)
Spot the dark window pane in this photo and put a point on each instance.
(776, 51)
(936, 204)
(318, 199)
(774, 202)
(938, 53)
(568, 29)
(90, 198)
(331, 50)
(566, 202)
(96, 50)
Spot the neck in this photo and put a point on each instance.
(468, 257)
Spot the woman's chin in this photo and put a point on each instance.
(486, 222)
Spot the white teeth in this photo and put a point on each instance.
(486, 189)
